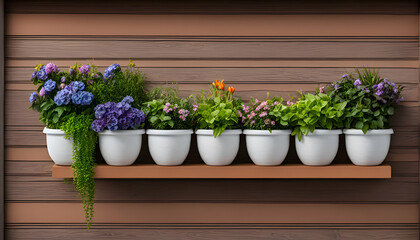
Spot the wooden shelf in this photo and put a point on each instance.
(235, 171)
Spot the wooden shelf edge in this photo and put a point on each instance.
(235, 171)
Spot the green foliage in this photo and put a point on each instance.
(316, 112)
(130, 82)
(368, 76)
(168, 93)
(77, 127)
(165, 115)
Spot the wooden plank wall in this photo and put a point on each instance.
(256, 46)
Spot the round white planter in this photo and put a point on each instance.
(121, 147)
(318, 148)
(59, 148)
(218, 151)
(368, 149)
(169, 147)
(265, 148)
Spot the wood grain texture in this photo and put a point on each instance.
(213, 233)
(213, 25)
(214, 7)
(214, 212)
(204, 49)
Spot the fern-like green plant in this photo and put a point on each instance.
(78, 128)
(368, 76)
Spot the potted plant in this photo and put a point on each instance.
(118, 117)
(219, 130)
(367, 119)
(316, 122)
(119, 135)
(59, 94)
(170, 122)
(265, 127)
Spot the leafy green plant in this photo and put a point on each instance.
(218, 110)
(316, 112)
(370, 99)
(168, 110)
(119, 84)
(78, 128)
(269, 114)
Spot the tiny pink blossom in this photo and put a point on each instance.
(290, 103)
(276, 103)
(252, 122)
(267, 121)
(263, 114)
(321, 89)
(273, 123)
(239, 113)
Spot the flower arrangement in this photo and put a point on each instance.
(117, 116)
(318, 111)
(218, 110)
(168, 110)
(370, 99)
(264, 115)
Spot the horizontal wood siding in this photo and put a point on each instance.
(256, 46)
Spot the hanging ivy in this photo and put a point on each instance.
(77, 128)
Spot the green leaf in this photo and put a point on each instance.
(390, 111)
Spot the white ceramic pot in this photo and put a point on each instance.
(265, 148)
(318, 148)
(169, 147)
(218, 151)
(368, 149)
(59, 148)
(120, 147)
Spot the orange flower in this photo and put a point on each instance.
(215, 84)
(231, 89)
(222, 85)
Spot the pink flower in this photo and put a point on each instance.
(276, 103)
(290, 103)
(273, 123)
(239, 113)
(321, 89)
(245, 108)
(252, 122)
(267, 121)
(182, 117)
(243, 119)
(263, 114)
(256, 101)
(195, 107)
(253, 113)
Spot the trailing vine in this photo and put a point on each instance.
(78, 128)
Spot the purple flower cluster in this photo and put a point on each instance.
(109, 72)
(33, 97)
(117, 116)
(387, 90)
(183, 114)
(50, 85)
(75, 93)
(85, 69)
(51, 68)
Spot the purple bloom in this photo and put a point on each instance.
(357, 83)
(72, 71)
(128, 99)
(85, 69)
(42, 92)
(50, 68)
(109, 72)
(62, 97)
(33, 97)
(63, 79)
(80, 86)
(98, 125)
(77, 98)
(42, 75)
(99, 111)
(395, 90)
(87, 98)
(33, 76)
(336, 86)
(90, 82)
(50, 85)
(344, 75)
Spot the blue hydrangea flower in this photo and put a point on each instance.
(33, 76)
(87, 98)
(77, 98)
(33, 97)
(109, 72)
(42, 75)
(62, 97)
(99, 111)
(98, 125)
(50, 85)
(80, 86)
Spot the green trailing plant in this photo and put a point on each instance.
(370, 99)
(316, 112)
(78, 128)
(218, 110)
(120, 83)
(168, 110)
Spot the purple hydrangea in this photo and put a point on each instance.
(85, 69)
(63, 97)
(87, 98)
(50, 68)
(109, 72)
(42, 75)
(344, 75)
(75, 86)
(33, 76)
(33, 97)
(50, 85)
(357, 83)
(117, 116)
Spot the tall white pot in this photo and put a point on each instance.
(59, 148)
(318, 148)
(265, 148)
(368, 149)
(120, 147)
(218, 151)
(169, 147)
